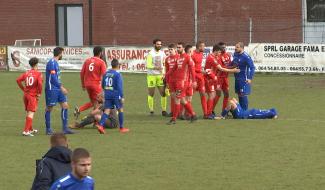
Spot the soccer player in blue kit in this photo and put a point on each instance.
(112, 84)
(55, 92)
(239, 113)
(78, 179)
(243, 79)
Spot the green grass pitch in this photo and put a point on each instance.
(287, 153)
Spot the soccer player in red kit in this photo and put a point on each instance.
(32, 88)
(212, 67)
(91, 75)
(170, 62)
(223, 81)
(197, 57)
(178, 76)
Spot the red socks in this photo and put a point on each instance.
(204, 105)
(28, 124)
(215, 102)
(225, 103)
(85, 106)
(189, 109)
(172, 104)
(210, 106)
(176, 111)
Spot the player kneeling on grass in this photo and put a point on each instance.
(78, 178)
(32, 91)
(112, 84)
(239, 113)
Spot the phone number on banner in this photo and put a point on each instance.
(290, 69)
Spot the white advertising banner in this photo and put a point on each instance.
(297, 58)
(73, 57)
(131, 58)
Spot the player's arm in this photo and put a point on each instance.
(120, 86)
(251, 69)
(233, 70)
(19, 81)
(191, 66)
(103, 68)
(54, 76)
(39, 84)
(44, 178)
(149, 61)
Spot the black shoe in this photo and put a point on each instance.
(193, 118)
(152, 113)
(164, 113)
(181, 117)
(171, 122)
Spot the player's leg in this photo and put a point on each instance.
(216, 98)
(225, 90)
(163, 97)
(244, 91)
(262, 114)
(28, 123)
(151, 82)
(62, 99)
(201, 88)
(51, 97)
(210, 87)
(104, 117)
(176, 96)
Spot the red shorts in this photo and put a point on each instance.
(200, 82)
(222, 84)
(30, 102)
(178, 88)
(93, 92)
(210, 84)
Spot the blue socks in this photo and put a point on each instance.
(64, 117)
(243, 101)
(103, 119)
(121, 119)
(48, 120)
(224, 113)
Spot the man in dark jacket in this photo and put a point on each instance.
(54, 164)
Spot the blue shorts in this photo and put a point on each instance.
(242, 88)
(239, 113)
(54, 96)
(113, 103)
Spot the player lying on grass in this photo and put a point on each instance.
(238, 113)
(95, 116)
(32, 91)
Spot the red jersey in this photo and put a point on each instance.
(92, 71)
(182, 69)
(211, 64)
(32, 82)
(189, 78)
(197, 58)
(170, 63)
(225, 61)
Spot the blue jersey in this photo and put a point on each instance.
(112, 84)
(245, 63)
(52, 75)
(69, 182)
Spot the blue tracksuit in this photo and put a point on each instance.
(69, 182)
(239, 113)
(247, 69)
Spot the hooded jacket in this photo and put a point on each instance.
(54, 164)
